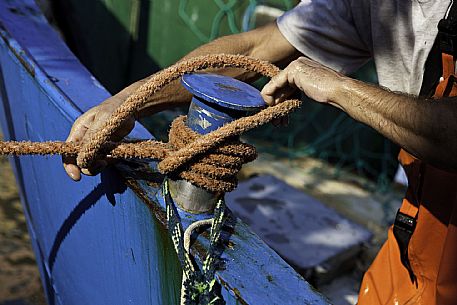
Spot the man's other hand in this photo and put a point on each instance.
(313, 79)
(88, 124)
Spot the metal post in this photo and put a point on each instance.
(217, 100)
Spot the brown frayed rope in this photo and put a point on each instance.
(210, 161)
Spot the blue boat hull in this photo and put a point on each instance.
(101, 241)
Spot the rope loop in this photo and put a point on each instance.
(91, 150)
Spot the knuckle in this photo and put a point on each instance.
(294, 64)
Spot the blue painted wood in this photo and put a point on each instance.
(94, 242)
(99, 241)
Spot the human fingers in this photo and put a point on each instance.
(276, 89)
(101, 117)
(95, 168)
(100, 165)
(126, 127)
(76, 135)
(72, 170)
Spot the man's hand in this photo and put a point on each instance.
(88, 124)
(424, 127)
(315, 80)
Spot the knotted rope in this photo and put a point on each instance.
(209, 161)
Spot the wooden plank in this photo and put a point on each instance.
(99, 241)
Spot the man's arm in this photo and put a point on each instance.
(424, 127)
(266, 43)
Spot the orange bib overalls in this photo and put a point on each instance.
(418, 262)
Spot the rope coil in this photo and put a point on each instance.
(209, 161)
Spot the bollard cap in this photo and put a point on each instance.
(223, 91)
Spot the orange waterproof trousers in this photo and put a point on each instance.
(431, 198)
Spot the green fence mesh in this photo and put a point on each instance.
(316, 130)
(227, 16)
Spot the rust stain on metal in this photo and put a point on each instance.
(198, 248)
(132, 171)
(230, 244)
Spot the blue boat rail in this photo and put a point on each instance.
(104, 240)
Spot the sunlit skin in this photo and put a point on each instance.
(425, 128)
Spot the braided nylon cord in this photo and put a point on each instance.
(197, 286)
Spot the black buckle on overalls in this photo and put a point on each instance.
(403, 230)
(405, 222)
(447, 35)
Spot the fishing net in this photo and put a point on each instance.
(315, 130)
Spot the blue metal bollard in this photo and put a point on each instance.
(217, 100)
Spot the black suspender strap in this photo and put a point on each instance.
(403, 230)
(447, 31)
